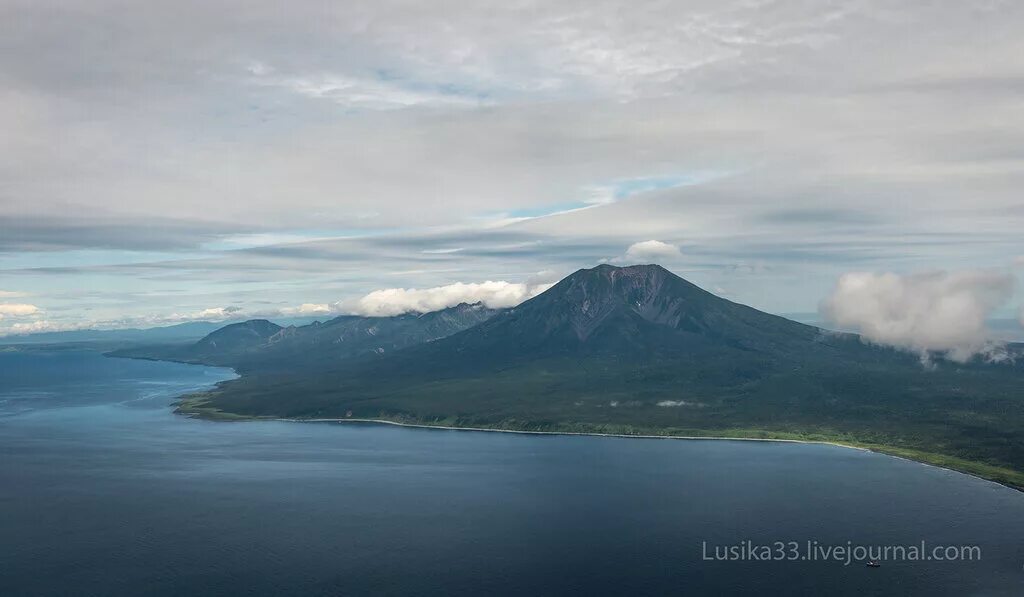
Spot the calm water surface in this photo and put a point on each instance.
(103, 491)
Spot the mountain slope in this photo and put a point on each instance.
(350, 337)
(639, 349)
(639, 317)
(631, 312)
(262, 345)
(599, 335)
(236, 338)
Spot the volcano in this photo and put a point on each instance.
(624, 350)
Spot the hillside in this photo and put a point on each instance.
(259, 344)
(639, 349)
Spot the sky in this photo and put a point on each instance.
(172, 161)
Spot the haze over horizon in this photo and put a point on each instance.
(206, 160)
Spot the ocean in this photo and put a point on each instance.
(104, 491)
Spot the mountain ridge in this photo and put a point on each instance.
(633, 314)
(638, 349)
(262, 344)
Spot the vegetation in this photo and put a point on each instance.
(969, 419)
(639, 351)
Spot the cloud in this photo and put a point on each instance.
(365, 93)
(650, 251)
(18, 310)
(10, 294)
(940, 312)
(208, 128)
(209, 314)
(69, 228)
(307, 309)
(41, 325)
(212, 314)
(396, 301)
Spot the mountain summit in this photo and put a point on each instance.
(620, 350)
(634, 312)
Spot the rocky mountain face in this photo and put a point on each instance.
(623, 350)
(632, 313)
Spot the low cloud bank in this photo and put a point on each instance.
(933, 312)
(19, 328)
(307, 309)
(31, 321)
(396, 301)
(17, 310)
(379, 303)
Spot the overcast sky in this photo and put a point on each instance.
(167, 161)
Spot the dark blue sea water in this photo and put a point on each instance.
(103, 491)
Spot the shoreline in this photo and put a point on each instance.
(649, 436)
(873, 450)
(571, 433)
(191, 405)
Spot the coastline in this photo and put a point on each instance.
(194, 406)
(571, 433)
(650, 436)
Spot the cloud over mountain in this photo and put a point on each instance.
(395, 301)
(651, 251)
(925, 312)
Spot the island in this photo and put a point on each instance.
(632, 351)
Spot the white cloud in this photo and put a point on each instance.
(308, 309)
(10, 294)
(213, 313)
(395, 301)
(650, 251)
(36, 326)
(569, 103)
(18, 309)
(209, 314)
(926, 312)
(41, 325)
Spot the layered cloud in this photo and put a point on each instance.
(564, 130)
(396, 301)
(575, 99)
(933, 312)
